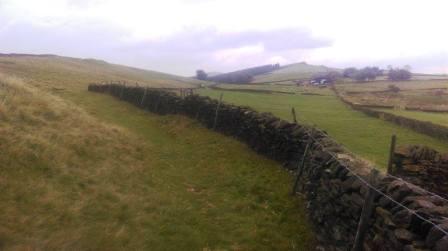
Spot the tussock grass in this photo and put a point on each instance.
(55, 166)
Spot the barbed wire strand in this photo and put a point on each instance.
(431, 193)
(376, 190)
(389, 175)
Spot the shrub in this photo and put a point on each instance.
(393, 88)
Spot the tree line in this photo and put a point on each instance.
(238, 77)
(370, 73)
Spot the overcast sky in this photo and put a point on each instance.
(180, 36)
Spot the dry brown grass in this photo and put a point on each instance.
(416, 94)
(54, 163)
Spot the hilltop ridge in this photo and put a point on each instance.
(77, 73)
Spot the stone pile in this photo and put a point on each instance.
(329, 180)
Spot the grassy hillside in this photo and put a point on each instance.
(80, 171)
(63, 73)
(365, 136)
(292, 71)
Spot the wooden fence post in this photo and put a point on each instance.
(144, 96)
(156, 107)
(300, 168)
(393, 142)
(294, 117)
(367, 210)
(216, 112)
(197, 113)
(122, 89)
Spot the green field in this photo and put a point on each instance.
(85, 171)
(365, 136)
(275, 88)
(433, 117)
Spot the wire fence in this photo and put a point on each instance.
(366, 183)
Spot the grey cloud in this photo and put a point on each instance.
(428, 63)
(194, 48)
(181, 53)
(207, 40)
(74, 40)
(82, 3)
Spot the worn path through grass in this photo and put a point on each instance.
(216, 192)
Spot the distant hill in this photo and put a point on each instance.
(243, 76)
(213, 73)
(293, 71)
(70, 72)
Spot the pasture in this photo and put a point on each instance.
(418, 94)
(365, 136)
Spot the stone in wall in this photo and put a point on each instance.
(423, 166)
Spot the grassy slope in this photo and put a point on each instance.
(73, 73)
(363, 135)
(292, 71)
(119, 178)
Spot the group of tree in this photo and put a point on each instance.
(201, 75)
(370, 73)
(399, 74)
(238, 77)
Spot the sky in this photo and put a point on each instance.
(181, 36)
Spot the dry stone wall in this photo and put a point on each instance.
(424, 127)
(423, 166)
(330, 179)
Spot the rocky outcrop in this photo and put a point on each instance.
(330, 179)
